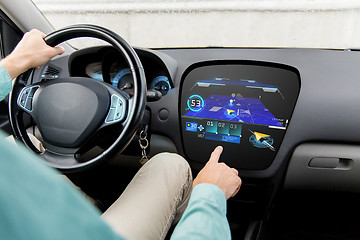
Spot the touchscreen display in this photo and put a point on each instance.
(247, 116)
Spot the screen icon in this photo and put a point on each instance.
(191, 126)
(195, 103)
(211, 127)
(261, 140)
(223, 128)
(230, 112)
(235, 129)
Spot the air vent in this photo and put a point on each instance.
(50, 72)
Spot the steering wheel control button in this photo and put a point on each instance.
(114, 101)
(28, 105)
(32, 91)
(111, 115)
(116, 112)
(25, 98)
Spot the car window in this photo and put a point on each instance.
(230, 23)
(9, 35)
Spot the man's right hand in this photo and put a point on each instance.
(219, 174)
(32, 51)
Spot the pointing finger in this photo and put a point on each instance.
(215, 155)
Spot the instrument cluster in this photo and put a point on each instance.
(113, 69)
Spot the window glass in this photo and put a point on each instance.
(224, 23)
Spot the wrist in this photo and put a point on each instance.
(15, 65)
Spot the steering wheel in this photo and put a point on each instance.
(70, 112)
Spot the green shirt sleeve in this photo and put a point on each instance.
(36, 203)
(205, 216)
(5, 83)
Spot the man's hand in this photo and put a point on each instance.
(219, 174)
(31, 52)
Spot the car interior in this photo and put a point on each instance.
(286, 117)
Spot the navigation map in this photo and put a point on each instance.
(236, 109)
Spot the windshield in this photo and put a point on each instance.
(216, 23)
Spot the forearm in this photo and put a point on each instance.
(205, 216)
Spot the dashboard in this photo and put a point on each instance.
(287, 118)
(244, 106)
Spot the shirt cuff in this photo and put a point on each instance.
(210, 193)
(5, 83)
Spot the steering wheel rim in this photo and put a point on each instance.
(60, 158)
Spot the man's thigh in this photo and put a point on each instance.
(157, 196)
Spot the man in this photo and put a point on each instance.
(37, 203)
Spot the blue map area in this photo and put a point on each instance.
(236, 109)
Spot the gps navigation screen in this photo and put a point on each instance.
(243, 114)
(228, 108)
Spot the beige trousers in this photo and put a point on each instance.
(154, 199)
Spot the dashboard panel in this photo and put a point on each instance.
(321, 96)
(324, 109)
(305, 96)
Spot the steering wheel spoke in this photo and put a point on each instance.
(61, 161)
